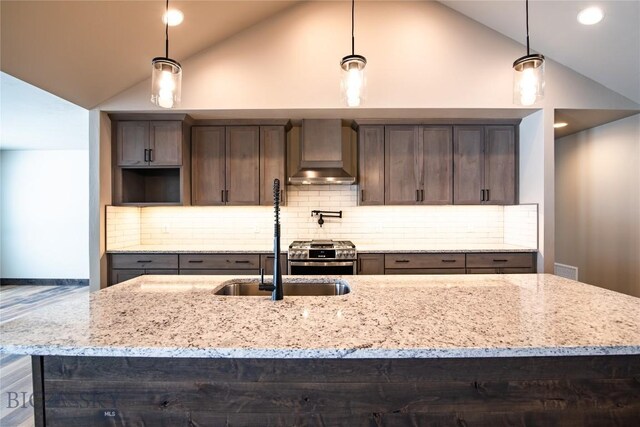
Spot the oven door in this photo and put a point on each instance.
(322, 268)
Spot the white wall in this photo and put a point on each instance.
(598, 204)
(44, 214)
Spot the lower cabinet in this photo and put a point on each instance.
(370, 263)
(424, 263)
(501, 263)
(219, 264)
(266, 263)
(127, 266)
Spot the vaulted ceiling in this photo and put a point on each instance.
(88, 51)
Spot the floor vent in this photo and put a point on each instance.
(568, 271)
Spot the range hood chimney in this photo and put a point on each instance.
(326, 154)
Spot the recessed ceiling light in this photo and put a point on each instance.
(175, 17)
(591, 15)
(560, 124)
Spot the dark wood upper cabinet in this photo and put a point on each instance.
(208, 165)
(165, 143)
(132, 140)
(402, 166)
(468, 165)
(437, 176)
(143, 143)
(242, 165)
(273, 163)
(371, 165)
(500, 172)
(418, 165)
(485, 165)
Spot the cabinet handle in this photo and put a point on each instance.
(362, 195)
(195, 261)
(146, 155)
(243, 261)
(144, 261)
(422, 195)
(487, 195)
(151, 154)
(500, 260)
(417, 195)
(482, 195)
(226, 196)
(222, 196)
(402, 260)
(448, 260)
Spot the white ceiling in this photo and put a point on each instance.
(33, 119)
(608, 52)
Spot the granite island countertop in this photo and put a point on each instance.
(382, 317)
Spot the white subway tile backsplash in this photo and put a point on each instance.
(379, 225)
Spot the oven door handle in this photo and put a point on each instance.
(321, 263)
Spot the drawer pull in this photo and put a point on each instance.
(500, 260)
(448, 260)
(195, 261)
(402, 260)
(244, 261)
(144, 261)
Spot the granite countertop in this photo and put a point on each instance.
(362, 248)
(382, 317)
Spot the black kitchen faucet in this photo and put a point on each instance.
(276, 286)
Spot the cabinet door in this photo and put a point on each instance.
(118, 276)
(208, 165)
(165, 142)
(403, 163)
(500, 165)
(132, 141)
(266, 262)
(273, 163)
(468, 165)
(370, 263)
(243, 165)
(371, 165)
(438, 165)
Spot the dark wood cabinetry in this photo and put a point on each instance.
(148, 156)
(127, 266)
(418, 165)
(217, 264)
(501, 263)
(424, 263)
(371, 165)
(370, 263)
(485, 165)
(266, 263)
(236, 165)
(149, 143)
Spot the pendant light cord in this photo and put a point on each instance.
(166, 31)
(527, 17)
(353, 38)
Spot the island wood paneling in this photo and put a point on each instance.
(487, 391)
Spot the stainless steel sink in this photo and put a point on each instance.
(249, 288)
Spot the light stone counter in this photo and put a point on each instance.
(382, 317)
(364, 248)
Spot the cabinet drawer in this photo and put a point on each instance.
(508, 270)
(402, 261)
(499, 260)
(218, 272)
(220, 261)
(144, 261)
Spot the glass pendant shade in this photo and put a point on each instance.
(166, 82)
(353, 82)
(528, 79)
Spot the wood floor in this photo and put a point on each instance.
(15, 371)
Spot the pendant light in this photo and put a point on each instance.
(166, 76)
(353, 78)
(528, 74)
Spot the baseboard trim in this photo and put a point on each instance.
(44, 282)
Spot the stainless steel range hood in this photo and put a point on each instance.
(324, 153)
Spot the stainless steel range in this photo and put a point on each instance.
(322, 257)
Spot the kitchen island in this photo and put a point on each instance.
(396, 350)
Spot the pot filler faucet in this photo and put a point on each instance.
(276, 286)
